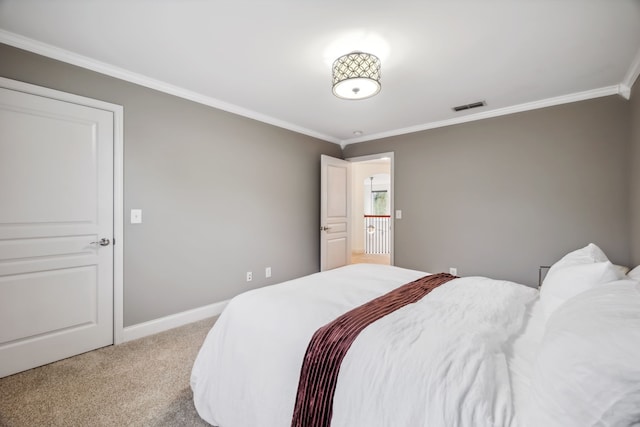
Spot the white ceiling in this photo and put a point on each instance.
(271, 60)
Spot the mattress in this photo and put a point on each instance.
(454, 358)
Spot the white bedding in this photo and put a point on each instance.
(587, 370)
(521, 351)
(442, 361)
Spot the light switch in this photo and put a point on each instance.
(136, 216)
(398, 214)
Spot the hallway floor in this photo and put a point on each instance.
(360, 258)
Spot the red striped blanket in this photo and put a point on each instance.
(330, 343)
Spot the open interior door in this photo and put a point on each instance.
(335, 213)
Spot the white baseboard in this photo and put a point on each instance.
(173, 321)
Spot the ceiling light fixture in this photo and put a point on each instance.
(356, 75)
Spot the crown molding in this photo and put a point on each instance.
(565, 99)
(72, 58)
(623, 89)
(631, 77)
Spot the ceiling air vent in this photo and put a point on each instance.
(470, 106)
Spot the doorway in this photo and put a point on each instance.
(372, 207)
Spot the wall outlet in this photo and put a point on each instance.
(453, 271)
(249, 276)
(267, 272)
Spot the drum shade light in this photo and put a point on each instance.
(356, 75)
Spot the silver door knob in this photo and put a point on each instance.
(324, 228)
(102, 242)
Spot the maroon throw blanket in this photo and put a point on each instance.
(330, 343)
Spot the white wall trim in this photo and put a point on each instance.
(118, 184)
(624, 91)
(118, 224)
(21, 42)
(565, 99)
(631, 76)
(173, 321)
(50, 51)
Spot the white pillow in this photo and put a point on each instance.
(587, 255)
(587, 371)
(635, 273)
(575, 273)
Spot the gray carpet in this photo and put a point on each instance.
(139, 383)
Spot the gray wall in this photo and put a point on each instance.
(635, 174)
(502, 196)
(220, 194)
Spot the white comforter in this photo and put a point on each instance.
(438, 362)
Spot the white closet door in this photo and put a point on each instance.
(56, 230)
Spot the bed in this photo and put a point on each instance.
(473, 352)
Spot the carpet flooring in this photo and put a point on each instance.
(139, 383)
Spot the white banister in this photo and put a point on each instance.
(376, 234)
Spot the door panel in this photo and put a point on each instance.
(53, 166)
(31, 312)
(335, 213)
(337, 252)
(337, 201)
(56, 188)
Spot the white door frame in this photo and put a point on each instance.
(118, 186)
(393, 192)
